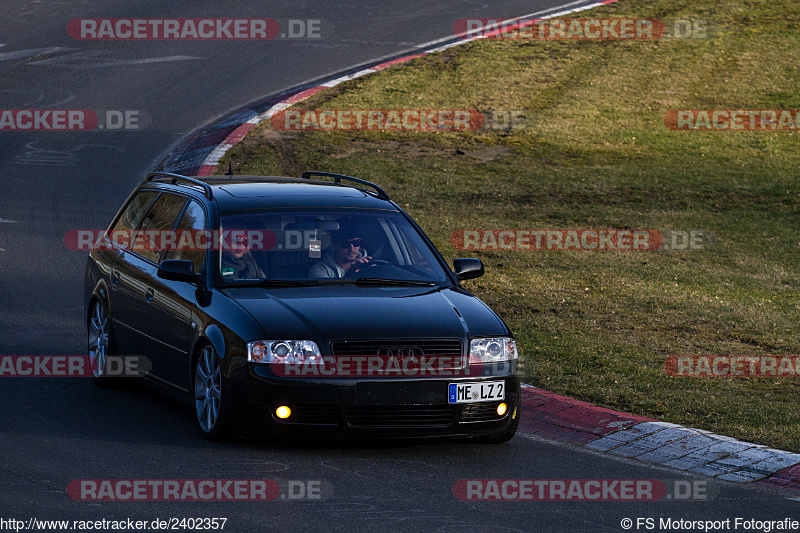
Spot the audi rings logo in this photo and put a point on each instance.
(402, 353)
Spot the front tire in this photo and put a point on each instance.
(99, 341)
(210, 405)
(503, 436)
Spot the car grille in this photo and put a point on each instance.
(448, 348)
(429, 347)
(315, 414)
(400, 415)
(479, 412)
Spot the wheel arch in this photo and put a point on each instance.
(99, 294)
(212, 336)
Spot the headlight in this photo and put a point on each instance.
(493, 349)
(284, 351)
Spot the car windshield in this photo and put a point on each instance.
(288, 248)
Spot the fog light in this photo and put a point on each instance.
(501, 409)
(283, 412)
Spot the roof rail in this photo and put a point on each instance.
(339, 177)
(173, 178)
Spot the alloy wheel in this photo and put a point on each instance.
(207, 389)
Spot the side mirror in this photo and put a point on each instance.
(467, 268)
(178, 270)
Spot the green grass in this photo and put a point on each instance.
(596, 154)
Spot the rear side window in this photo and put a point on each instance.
(193, 221)
(162, 216)
(130, 218)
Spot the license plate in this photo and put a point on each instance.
(476, 392)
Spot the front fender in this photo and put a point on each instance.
(216, 338)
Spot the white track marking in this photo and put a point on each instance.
(31, 52)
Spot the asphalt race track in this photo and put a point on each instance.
(53, 431)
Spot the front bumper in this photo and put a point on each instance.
(367, 407)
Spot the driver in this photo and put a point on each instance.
(345, 252)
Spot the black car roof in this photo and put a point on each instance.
(234, 193)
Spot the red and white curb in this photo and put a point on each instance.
(544, 413)
(645, 439)
(201, 155)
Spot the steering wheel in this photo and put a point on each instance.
(360, 267)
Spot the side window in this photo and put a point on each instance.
(192, 222)
(130, 218)
(150, 239)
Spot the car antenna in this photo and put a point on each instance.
(230, 169)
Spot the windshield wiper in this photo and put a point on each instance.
(374, 282)
(274, 283)
(362, 282)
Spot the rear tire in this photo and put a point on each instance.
(211, 407)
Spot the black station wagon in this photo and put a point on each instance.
(309, 306)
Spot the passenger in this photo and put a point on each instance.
(238, 262)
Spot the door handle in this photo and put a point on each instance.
(149, 294)
(114, 277)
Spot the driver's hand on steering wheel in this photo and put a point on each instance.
(364, 259)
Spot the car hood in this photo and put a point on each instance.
(325, 314)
